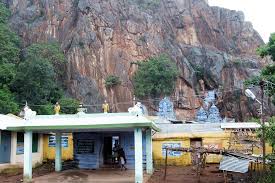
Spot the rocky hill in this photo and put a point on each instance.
(103, 37)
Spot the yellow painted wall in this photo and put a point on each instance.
(216, 140)
(218, 143)
(49, 152)
(159, 159)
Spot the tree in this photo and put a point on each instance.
(35, 82)
(9, 56)
(155, 77)
(9, 41)
(51, 52)
(7, 102)
(36, 76)
(270, 132)
(4, 13)
(7, 74)
(268, 49)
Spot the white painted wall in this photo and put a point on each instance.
(18, 159)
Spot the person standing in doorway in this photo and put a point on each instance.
(115, 153)
(122, 159)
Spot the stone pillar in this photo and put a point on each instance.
(27, 156)
(138, 156)
(149, 156)
(58, 153)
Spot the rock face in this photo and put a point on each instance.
(103, 37)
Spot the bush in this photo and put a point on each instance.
(46, 109)
(112, 81)
(68, 105)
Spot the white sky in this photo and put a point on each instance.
(260, 12)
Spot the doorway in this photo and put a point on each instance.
(195, 143)
(109, 153)
(5, 146)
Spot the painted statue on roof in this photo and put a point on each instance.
(138, 109)
(57, 108)
(27, 113)
(105, 107)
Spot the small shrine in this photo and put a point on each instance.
(209, 112)
(214, 114)
(202, 115)
(166, 109)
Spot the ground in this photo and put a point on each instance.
(187, 174)
(46, 174)
(90, 176)
(15, 175)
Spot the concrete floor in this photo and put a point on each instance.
(96, 176)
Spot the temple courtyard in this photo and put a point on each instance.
(175, 174)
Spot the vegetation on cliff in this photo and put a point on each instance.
(267, 73)
(32, 74)
(112, 81)
(155, 77)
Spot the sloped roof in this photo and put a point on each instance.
(9, 121)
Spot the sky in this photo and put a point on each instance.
(260, 12)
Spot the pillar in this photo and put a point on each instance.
(138, 156)
(27, 156)
(149, 156)
(58, 154)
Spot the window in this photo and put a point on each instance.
(85, 146)
(35, 142)
(64, 141)
(20, 143)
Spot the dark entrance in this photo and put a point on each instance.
(5, 146)
(109, 153)
(195, 143)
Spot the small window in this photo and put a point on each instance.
(85, 146)
(35, 143)
(20, 143)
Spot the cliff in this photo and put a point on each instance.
(103, 37)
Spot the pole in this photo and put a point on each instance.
(134, 100)
(165, 170)
(262, 122)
